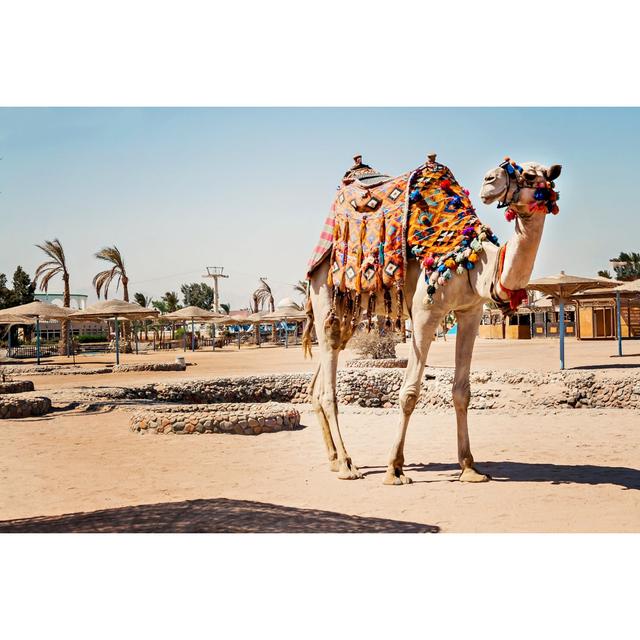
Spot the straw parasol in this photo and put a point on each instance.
(38, 310)
(563, 287)
(194, 313)
(286, 310)
(115, 310)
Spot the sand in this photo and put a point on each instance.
(575, 471)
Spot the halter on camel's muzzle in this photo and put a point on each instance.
(545, 196)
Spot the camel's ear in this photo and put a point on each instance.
(554, 171)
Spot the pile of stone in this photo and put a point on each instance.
(236, 418)
(20, 407)
(382, 363)
(16, 386)
(150, 366)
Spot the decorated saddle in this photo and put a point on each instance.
(376, 226)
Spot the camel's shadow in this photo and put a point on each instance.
(508, 471)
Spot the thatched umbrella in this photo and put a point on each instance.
(284, 313)
(195, 313)
(38, 310)
(10, 320)
(115, 310)
(563, 287)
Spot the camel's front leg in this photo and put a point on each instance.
(468, 322)
(424, 323)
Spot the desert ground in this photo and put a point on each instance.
(568, 471)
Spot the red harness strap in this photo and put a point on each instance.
(516, 296)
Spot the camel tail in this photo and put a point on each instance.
(306, 336)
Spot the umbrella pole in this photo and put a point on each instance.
(239, 336)
(213, 345)
(193, 337)
(38, 339)
(561, 334)
(117, 341)
(135, 333)
(618, 323)
(286, 334)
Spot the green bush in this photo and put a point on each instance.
(88, 339)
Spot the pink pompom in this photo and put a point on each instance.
(440, 280)
(510, 215)
(429, 262)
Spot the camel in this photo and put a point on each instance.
(463, 294)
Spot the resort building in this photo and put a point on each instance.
(78, 301)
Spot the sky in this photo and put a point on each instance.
(179, 189)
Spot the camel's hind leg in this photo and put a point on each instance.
(468, 322)
(315, 391)
(424, 323)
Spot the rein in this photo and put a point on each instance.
(516, 296)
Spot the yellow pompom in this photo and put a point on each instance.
(473, 257)
(450, 264)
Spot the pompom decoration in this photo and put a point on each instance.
(450, 263)
(429, 262)
(460, 270)
(445, 184)
(441, 281)
(510, 215)
(469, 265)
(473, 257)
(555, 210)
(431, 289)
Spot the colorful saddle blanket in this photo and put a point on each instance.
(373, 230)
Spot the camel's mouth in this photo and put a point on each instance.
(494, 186)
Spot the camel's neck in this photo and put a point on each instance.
(521, 251)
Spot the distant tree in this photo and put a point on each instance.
(23, 288)
(5, 292)
(167, 304)
(56, 266)
(103, 279)
(143, 301)
(630, 269)
(197, 294)
(604, 273)
(225, 307)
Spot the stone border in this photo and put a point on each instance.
(47, 370)
(235, 418)
(382, 363)
(13, 407)
(16, 386)
(150, 366)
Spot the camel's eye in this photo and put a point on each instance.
(529, 176)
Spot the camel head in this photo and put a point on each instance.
(521, 188)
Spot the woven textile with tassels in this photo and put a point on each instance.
(373, 230)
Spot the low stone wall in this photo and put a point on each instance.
(150, 366)
(17, 386)
(235, 418)
(380, 388)
(16, 407)
(47, 370)
(383, 363)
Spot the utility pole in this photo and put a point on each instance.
(216, 273)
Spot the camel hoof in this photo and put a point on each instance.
(472, 475)
(348, 471)
(394, 478)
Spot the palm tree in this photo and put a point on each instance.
(301, 288)
(261, 295)
(143, 301)
(168, 304)
(225, 307)
(103, 279)
(56, 266)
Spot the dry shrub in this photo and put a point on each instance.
(374, 345)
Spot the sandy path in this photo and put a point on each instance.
(574, 471)
(541, 355)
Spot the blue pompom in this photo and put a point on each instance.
(469, 264)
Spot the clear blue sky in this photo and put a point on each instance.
(179, 189)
